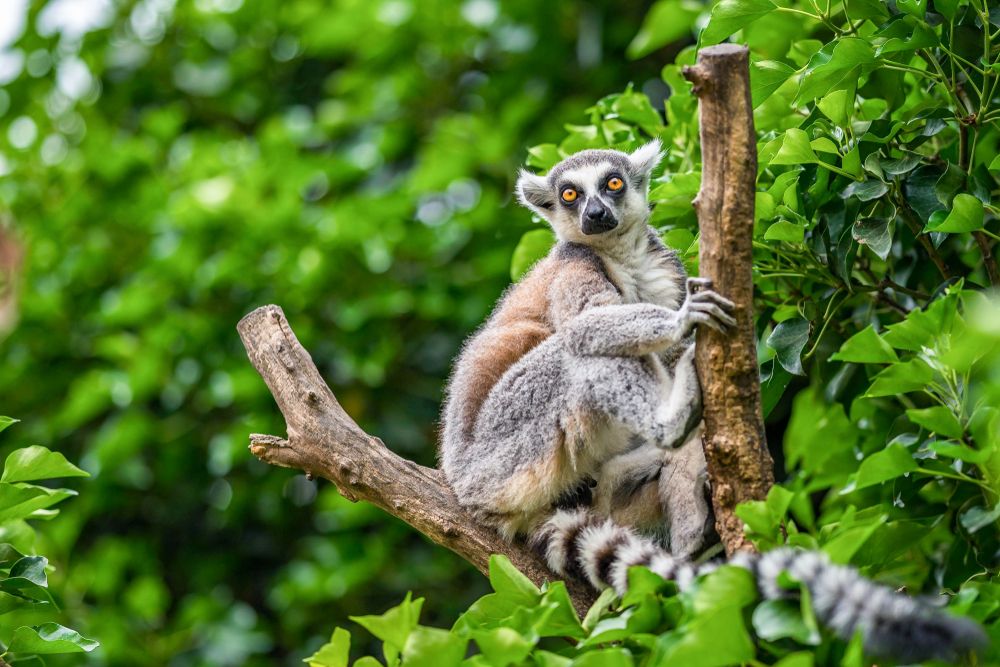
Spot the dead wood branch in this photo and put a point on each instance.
(739, 464)
(325, 442)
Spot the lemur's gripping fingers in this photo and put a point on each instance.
(705, 306)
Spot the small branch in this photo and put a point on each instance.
(988, 259)
(924, 240)
(324, 441)
(739, 464)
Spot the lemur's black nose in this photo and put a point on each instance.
(597, 218)
(595, 211)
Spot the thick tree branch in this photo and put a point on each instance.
(324, 441)
(739, 465)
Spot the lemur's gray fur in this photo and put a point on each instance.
(573, 414)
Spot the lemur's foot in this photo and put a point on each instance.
(705, 306)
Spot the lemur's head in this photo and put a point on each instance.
(593, 195)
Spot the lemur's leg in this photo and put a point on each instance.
(638, 329)
(628, 489)
(683, 494)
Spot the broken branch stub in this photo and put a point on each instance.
(739, 464)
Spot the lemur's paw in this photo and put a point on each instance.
(705, 306)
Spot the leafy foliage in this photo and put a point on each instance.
(27, 606)
(166, 168)
(878, 154)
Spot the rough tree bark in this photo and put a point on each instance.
(739, 464)
(324, 441)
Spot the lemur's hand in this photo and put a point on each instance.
(704, 306)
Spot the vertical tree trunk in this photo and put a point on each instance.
(739, 464)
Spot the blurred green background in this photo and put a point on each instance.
(165, 167)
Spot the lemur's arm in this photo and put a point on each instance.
(580, 287)
(641, 328)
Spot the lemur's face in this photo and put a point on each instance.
(593, 196)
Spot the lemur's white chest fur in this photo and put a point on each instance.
(642, 274)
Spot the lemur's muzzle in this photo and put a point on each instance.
(598, 218)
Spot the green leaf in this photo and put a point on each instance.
(976, 518)
(715, 639)
(960, 452)
(782, 619)
(795, 149)
(874, 234)
(20, 501)
(838, 64)
(901, 378)
(865, 190)
(916, 8)
(508, 581)
(27, 579)
(665, 22)
(728, 586)
(801, 659)
(543, 156)
(394, 626)
(937, 419)
(868, 9)
(36, 462)
(784, 230)
(838, 105)
(533, 245)
(334, 653)
(728, 16)
(966, 215)
(866, 347)
(7, 421)
(433, 647)
(890, 463)
(787, 341)
(766, 76)
(50, 638)
(609, 657)
(502, 646)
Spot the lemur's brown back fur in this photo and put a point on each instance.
(558, 287)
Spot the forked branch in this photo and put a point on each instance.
(325, 442)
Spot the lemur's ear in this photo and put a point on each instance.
(534, 193)
(645, 158)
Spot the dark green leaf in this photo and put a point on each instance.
(865, 190)
(873, 233)
(976, 518)
(787, 341)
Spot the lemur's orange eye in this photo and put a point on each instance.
(569, 195)
(615, 184)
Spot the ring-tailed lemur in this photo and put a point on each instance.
(572, 415)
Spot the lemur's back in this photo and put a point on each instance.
(523, 318)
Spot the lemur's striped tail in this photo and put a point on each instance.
(577, 543)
